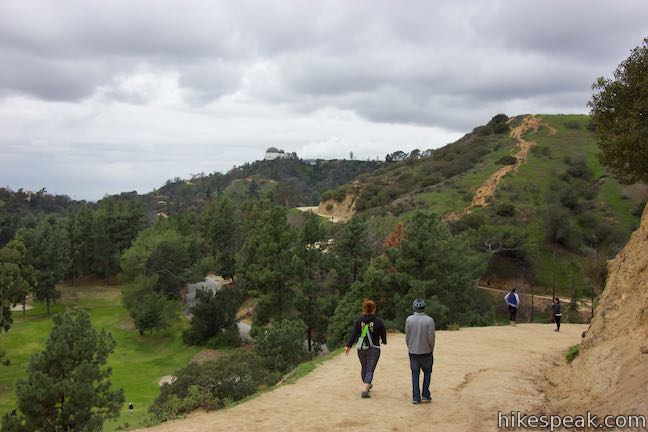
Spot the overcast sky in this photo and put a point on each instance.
(103, 96)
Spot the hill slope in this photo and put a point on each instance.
(538, 189)
(470, 364)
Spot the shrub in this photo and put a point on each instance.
(507, 160)
(505, 210)
(572, 125)
(211, 384)
(281, 345)
(572, 353)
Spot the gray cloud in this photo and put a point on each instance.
(101, 83)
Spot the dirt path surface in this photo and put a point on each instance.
(477, 372)
(487, 188)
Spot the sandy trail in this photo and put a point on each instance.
(477, 372)
(486, 189)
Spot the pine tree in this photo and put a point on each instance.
(68, 387)
(266, 263)
(221, 231)
(15, 276)
(307, 262)
(352, 251)
(48, 252)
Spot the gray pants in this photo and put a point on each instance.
(369, 361)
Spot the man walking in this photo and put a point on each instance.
(513, 301)
(419, 334)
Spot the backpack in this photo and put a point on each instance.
(365, 337)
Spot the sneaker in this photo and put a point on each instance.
(365, 395)
(426, 399)
(416, 402)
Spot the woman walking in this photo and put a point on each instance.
(367, 332)
(557, 313)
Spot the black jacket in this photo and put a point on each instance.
(376, 330)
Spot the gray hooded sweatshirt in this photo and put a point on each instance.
(419, 333)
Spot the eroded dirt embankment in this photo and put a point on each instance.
(610, 375)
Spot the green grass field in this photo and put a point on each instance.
(138, 362)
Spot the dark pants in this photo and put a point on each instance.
(418, 363)
(368, 361)
(512, 313)
(557, 318)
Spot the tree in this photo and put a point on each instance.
(48, 252)
(68, 387)
(213, 318)
(168, 261)
(438, 262)
(308, 261)
(15, 278)
(221, 231)
(266, 261)
(619, 110)
(352, 251)
(150, 310)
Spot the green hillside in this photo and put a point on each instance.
(558, 212)
(292, 182)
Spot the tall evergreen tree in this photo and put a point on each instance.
(266, 264)
(352, 251)
(68, 387)
(308, 259)
(15, 278)
(222, 232)
(48, 252)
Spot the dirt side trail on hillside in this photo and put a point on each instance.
(477, 372)
(523, 148)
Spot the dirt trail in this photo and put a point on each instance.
(487, 188)
(477, 372)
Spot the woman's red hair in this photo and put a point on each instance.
(368, 307)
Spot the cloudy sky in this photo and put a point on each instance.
(107, 96)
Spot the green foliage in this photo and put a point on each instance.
(222, 232)
(150, 310)
(618, 109)
(572, 353)
(352, 252)
(47, 252)
(266, 261)
(16, 276)
(507, 160)
(214, 318)
(212, 384)
(68, 387)
(162, 252)
(281, 345)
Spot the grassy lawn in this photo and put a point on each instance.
(138, 362)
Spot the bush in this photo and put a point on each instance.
(507, 160)
(212, 384)
(281, 345)
(572, 353)
(572, 125)
(505, 210)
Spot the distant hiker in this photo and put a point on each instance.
(367, 332)
(513, 302)
(419, 334)
(557, 313)
(130, 408)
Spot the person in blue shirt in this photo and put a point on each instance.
(513, 302)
